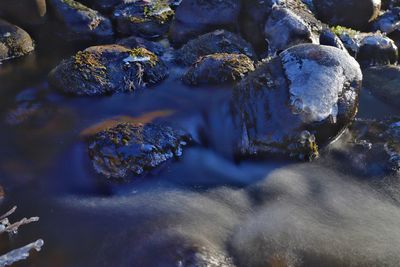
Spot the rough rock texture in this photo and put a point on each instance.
(297, 101)
(107, 69)
(145, 19)
(196, 17)
(135, 42)
(372, 147)
(24, 11)
(377, 50)
(356, 14)
(14, 41)
(384, 82)
(219, 41)
(131, 149)
(80, 23)
(219, 68)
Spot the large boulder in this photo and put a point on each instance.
(14, 41)
(356, 14)
(80, 23)
(196, 17)
(297, 101)
(128, 150)
(108, 69)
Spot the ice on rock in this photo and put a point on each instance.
(20, 253)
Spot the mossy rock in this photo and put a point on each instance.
(108, 69)
(219, 68)
(14, 41)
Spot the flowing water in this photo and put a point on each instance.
(257, 212)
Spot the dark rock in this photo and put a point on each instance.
(102, 5)
(14, 41)
(329, 38)
(80, 23)
(356, 14)
(196, 17)
(219, 68)
(145, 19)
(377, 50)
(388, 22)
(384, 82)
(135, 42)
(389, 4)
(297, 101)
(219, 41)
(24, 11)
(108, 69)
(371, 147)
(129, 150)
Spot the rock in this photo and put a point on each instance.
(219, 68)
(132, 149)
(14, 41)
(106, 6)
(135, 42)
(145, 19)
(389, 23)
(371, 147)
(108, 69)
(80, 23)
(295, 102)
(389, 4)
(219, 41)
(2, 193)
(24, 11)
(384, 82)
(196, 17)
(286, 27)
(355, 14)
(377, 50)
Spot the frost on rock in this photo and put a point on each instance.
(315, 83)
(20, 253)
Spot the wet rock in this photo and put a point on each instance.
(219, 68)
(142, 18)
(389, 24)
(80, 23)
(106, 6)
(384, 82)
(135, 42)
(14, 41)
(377, 50)
(297, 101)
(131, 149)
(371, 147)
(24, 11)
(108, 69)
(219, 41)
(196, 17)
(356, 14)
(389, 4)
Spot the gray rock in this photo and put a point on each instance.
(108, 69)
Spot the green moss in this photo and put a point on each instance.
(339, 30)
(90, 66)
(143, 52)
(76, 5)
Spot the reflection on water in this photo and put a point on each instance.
(250, 213)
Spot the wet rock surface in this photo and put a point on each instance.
(384, 82)
(135, 42)
(219, 41)
(132, 149)
(14, 41)
(196, 17)
(219, 68)
(145, 19)
(108, 69)
(81, 23)
(356, 14)
(297, 101)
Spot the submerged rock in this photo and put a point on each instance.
(24, 11)
(14, 41)
(297, 101)
(218, 68)
(108, 69)
(219, 41)
(131, 149)
(356, 14)
(384, 82)
(80, 23)
(371, 147)
(196, 17)
(145, 19)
